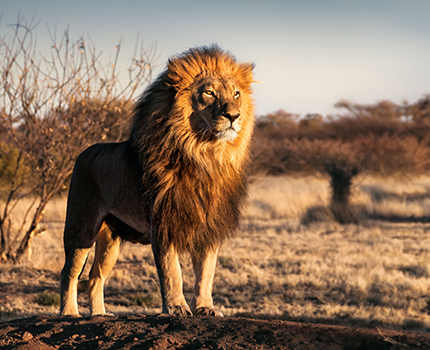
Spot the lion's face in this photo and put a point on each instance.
(216, 105)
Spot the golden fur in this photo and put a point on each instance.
(177, 183)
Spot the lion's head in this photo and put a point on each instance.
(206, 101)
(213, 91)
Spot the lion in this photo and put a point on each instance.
(178, 182)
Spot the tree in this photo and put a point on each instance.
(341, 161)
(420, 110)
(384, 110)
(52, 107)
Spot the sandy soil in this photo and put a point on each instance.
(164, 332)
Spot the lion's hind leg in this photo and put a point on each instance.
(106, 254)
(75, 262)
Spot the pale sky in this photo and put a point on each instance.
(309, 54)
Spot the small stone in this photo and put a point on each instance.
(27, 336)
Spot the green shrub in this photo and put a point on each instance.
(48, 299)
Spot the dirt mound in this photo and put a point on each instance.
(165, 332)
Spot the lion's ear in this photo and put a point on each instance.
(245, 73)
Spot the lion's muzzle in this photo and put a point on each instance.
(228, 127)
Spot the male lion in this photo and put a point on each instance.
(177, 183)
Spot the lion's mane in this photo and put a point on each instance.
(195, 185)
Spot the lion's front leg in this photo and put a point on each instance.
(169, 272)
(204, 268)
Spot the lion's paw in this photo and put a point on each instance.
(179, 310)
(207, 311)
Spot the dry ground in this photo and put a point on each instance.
(290, 261)
(164, 332)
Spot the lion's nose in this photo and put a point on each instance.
(232, 116)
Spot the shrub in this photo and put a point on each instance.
(48, 299)
(11, 165)
(148, 299)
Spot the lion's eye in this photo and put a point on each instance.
(236, 94)
(209, 93)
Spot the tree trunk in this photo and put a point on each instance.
(32, 231)
(340, 183)
(3, 248)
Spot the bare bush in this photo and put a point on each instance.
(52, 107)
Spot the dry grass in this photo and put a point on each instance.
(374, 273)
(285, 197)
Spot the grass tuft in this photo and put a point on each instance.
(148, 300)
